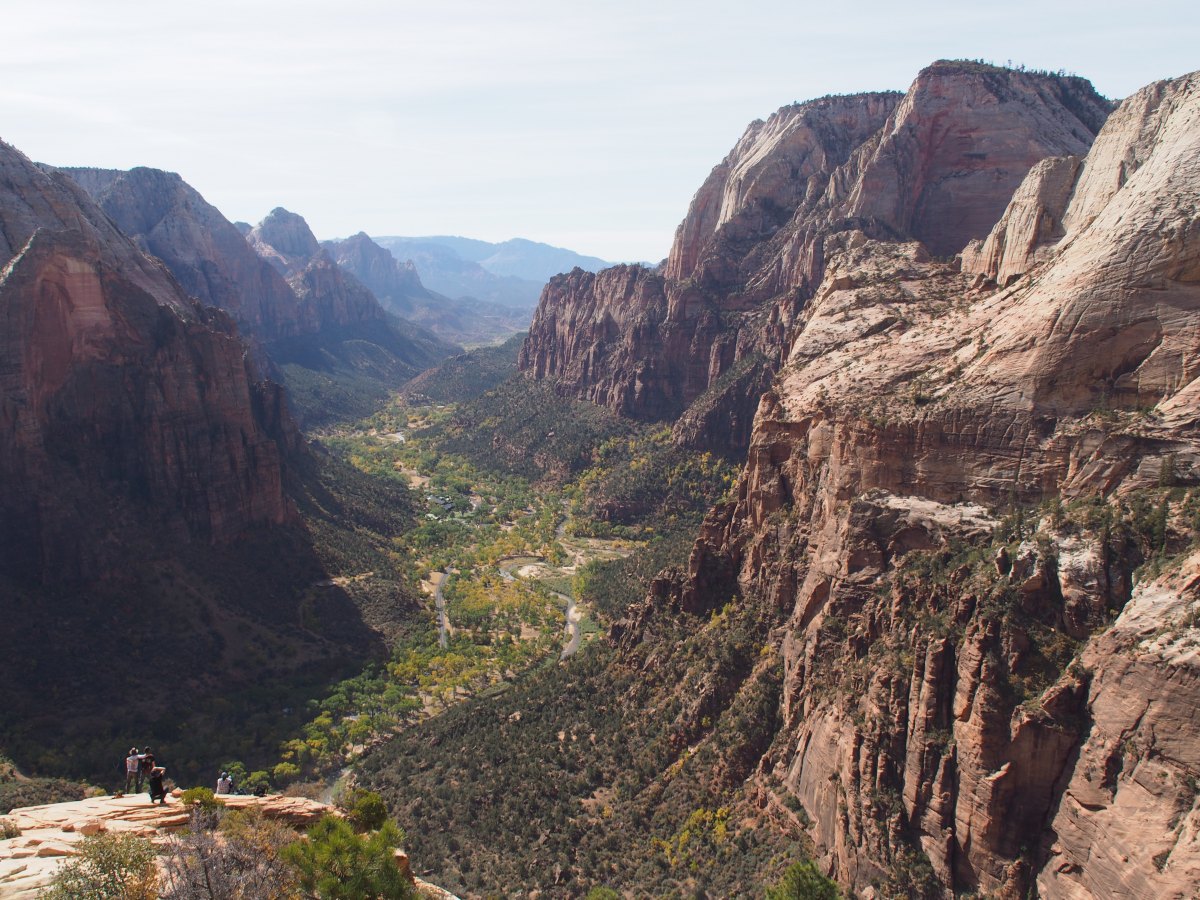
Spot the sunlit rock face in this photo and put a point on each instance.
(936, 165)
(927, 730)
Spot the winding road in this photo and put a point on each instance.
(440, 602)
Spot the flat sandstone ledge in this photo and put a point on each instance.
(49, 833)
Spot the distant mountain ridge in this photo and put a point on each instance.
(518, 257)
(512, 272)
(323, 331)
(397, 285)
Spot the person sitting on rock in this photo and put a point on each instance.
(157, 791)
(224, 784)
(133, 772)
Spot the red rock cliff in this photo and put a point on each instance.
(118, 394)
(955, 715)
(205, 252)
(937, 164)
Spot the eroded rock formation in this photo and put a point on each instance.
(948, 489)
(207, 254)
(285, 241)
(935, 165)
(398, 287)
(118, 392)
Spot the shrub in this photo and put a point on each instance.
(285, 772)
(8, 829)
(602, 893)
(107, 867)
(244, 864)
(337, 864)
(802, 881)
(256, 782)
(202, 797)
(365, 810)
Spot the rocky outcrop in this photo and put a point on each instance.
(49, 835)
(394, 283)
(1031, 224)
(937, 165)
(778, 167)
(117, 392)
(1129, 820)
(208, 255)
(358, 353)
(285, 241)
(948, 488)
(292, 302)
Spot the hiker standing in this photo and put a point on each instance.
(147, 757)
(224, 784)
(133, 772)
(157, 791)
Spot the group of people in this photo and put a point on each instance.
(141, 765)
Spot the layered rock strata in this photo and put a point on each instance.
(935, 165)
(948, 489)
(50, 835)
(117, 390)
(207, 254)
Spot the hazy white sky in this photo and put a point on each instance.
(586, 125)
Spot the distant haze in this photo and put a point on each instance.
(583, 126)
(511, 273)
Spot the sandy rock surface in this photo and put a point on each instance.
(49, 834)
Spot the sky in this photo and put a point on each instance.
(583, 125)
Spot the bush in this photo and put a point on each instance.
(337, 864)
(256, 782)
(202, 797)
(107, 867)
(245, 863)
(365, 810)
(8, 829)
(802, 881)
(285, 772)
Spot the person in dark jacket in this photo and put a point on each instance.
(157, 791)
(147, 757)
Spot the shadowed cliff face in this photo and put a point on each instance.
(392, 281)
(948, 488)
(117, 385)
(937, 165)
(208, 256)
(310, 324)
(153, 560)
